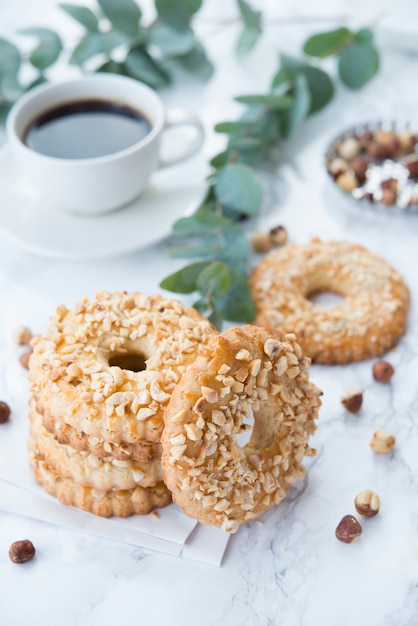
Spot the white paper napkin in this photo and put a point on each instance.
(169, 532)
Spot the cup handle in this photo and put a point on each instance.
(178, 117)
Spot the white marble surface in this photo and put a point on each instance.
(287, 568)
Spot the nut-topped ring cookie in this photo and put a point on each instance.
(87, 469)
(107, 367)
(241, 371)
(369, 322)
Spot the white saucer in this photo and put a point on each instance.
(37, 225)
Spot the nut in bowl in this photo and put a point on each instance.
(375, 164)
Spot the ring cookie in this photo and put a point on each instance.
(143, 451)
(88, 469)
(120, 503)
(107, 367)
(369, 322)
(240, 372)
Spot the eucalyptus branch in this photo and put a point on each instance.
(212, 237)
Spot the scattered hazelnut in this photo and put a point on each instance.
(22, 335)
(411, 164)
(349, 148)
(383, 441)
(348, 530)
(388, 197)
(352, 399)
(24, 359)
(367, 503)
(337, 166)
(382, 371)
(412, 201)
(376, 151)
(347, 181)
(261, 242)
(359, 167)
(4, 412)
(278, 235)
(21, 551)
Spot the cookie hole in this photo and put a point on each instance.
(133, 361)
(326, 299)
(244, 436)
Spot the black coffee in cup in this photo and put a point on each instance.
(86, 129)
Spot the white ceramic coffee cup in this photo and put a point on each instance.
(97, 185)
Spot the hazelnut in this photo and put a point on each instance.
(376, 151)
(347, 181)
(278, 235)
(368, 196)
(24, 359)
(352, 399)
(412, 201)
(348, 530)
(261, 242)
(388, 197)
(407, 141)
(388, 140)
(21, 551)
(389, 183)
(4, 412)
(337, 166)
(367, 503)
(383, 441)
(364, 139)
(382, 371)
(411, 164)
(22, 335)
(349, 148)
(359, 167)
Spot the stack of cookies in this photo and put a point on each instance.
(101, 376)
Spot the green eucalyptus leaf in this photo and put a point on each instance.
(252, 27)
(112, 67)
(214, 280)
(238, 188)
(39, 80)
(177, 13)
(199, 223)
(236, 305)
(48, 49)
(193, 252)
(140, 65)
(170, 41)
(10, 88)
(364, 35)
(124, 15)
(291, 119)
(320, 85)
(277, 103)
(9, 58)
(221, 159)
(216, 319)
(82, 15)
(239, 126)
(4, 110)
(201, 306)
(197, 62)
(89, 46)
(235, 243)
(184, 280)
(357, 64)
(328, 43)
(280, 79)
